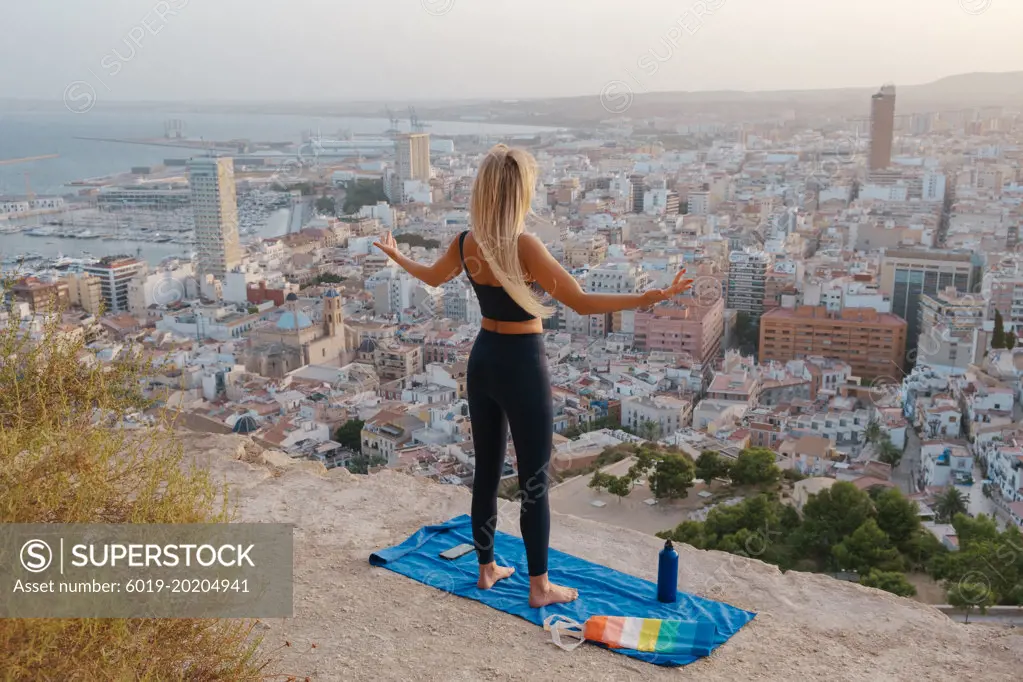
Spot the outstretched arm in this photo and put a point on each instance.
(559, 283)
(445, 269)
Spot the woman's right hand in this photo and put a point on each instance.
(678, 286)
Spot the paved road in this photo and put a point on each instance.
(977, 503)
(905, 474)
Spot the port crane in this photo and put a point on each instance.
(417, 124)
(393, 118)
(28, 176)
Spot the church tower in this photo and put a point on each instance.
(333, 317)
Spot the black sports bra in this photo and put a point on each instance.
(495, 303)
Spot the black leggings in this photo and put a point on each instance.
(508, 385)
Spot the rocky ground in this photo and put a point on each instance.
(371, 624)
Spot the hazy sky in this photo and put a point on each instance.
(372, 49)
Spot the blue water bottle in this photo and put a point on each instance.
(667, 574)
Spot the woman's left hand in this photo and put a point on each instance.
(678, 286)
(388, 245)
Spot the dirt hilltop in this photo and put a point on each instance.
(371, 624)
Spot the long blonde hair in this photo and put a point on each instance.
(502, 197)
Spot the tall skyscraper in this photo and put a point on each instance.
(412, 156)
(882, 127)
(215, 207)
(411, 162)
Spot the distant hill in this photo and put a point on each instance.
(952, 92)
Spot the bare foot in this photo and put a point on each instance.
(549, 593)
(491, 573)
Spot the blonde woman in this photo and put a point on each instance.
(507, 383)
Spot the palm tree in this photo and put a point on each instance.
(950, 503)
(888, 453)
(873, 431)
(649, 430)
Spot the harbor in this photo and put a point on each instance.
(88, 234)
(124, 201)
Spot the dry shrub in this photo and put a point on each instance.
(65, 457)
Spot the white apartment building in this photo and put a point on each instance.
(621, 193)
(941, 418)
(395, 292)
(12, 206)
(669, 413)
(609, 278)
(115, 274)
(417, 191)
(219, 324)
(699, 203)
(236, 283)
(897, 193)
(162, 288)
(944, 464)
(840, 294)
(949, 323)
(844, 428)
(655, 201)
(215, 208)
(617, 278)
(934, 187)
(383, 212)
(1005, 469)
(460, 302)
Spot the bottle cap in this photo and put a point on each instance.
(667, 544)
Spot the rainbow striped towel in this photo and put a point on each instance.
(692, 637)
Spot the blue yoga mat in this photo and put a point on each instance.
(602, 591)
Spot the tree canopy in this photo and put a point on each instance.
(897, 517)
(711, 465)
(967, 596)
(747, 333)
(362, 192)
(888, 453)
(866, 549)
(889, 581)
(325, 206)
(951, 502)
(842, 528)
(998, 334)
(669, 474)
(986, 559)
(873, 431)
(831, 515)
(350, 434)
(759, 527)
(413, 239)
(755, 466)
(673, 476)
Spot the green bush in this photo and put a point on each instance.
(61, 461)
